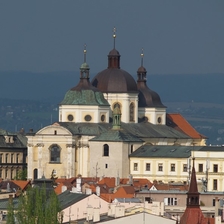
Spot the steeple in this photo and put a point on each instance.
(193, 194)
(141, 73)
(114, 56)
(84, 69)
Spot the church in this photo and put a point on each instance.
(102, 121)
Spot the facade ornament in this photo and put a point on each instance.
(40, 144)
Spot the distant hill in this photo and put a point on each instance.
(206, 88)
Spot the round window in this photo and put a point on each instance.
(103, 118)
(88, 118)
(70, 117)
(159, 120)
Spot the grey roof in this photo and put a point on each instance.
(128, 200)
(4, 203)
(212, 148)
(117, 135)
(139, 130)
(165, 151)
(19, 140)
(68, 198)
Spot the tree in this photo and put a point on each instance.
(36, 206)
(22, 175)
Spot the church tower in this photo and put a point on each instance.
(150, 107)
(119, 87)
(84, 102)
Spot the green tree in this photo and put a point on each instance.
(22, 175)
(37, 206)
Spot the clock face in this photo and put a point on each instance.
(70, 117)
(159, 120)
(88, 118)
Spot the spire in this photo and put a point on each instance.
(84, 52)
(193, 194)
(141, 70)
(84, 69)
(114, 56)
(114, 35)
(142, 56)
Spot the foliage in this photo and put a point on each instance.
(22, 175)
(37, 206)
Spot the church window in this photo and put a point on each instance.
(105, 150)
(172, 167)
(132, 112)
(160, 167)
(135, 166)
(147, 166)
(159, 120)
(215, 168)
(35, 174)
(55, 154)
(215, 184)
(70, 117)
(106, 165)
(200, 167)
(1, 158)
(117, 105)
(103, 118)
(55, 132)
(184, 167)
(88, 118)
(0, 172)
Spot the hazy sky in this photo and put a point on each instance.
(178, 37)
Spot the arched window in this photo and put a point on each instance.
(132, 112)
(105, 150)
(117, 105)
(35, 174)
(55, 154)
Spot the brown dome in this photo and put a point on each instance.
(147, 97)
(114, 80)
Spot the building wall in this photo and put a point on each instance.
(124, 100)
(154, 171)
(83, 208)
(117, 163)
(79, 113)
(39, 152)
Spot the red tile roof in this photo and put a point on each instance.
(194, 216)
(23, 184)
(178, 122)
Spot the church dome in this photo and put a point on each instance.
(84, 93)
(146, 97)
(114, 80)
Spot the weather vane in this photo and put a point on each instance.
(114, 35)
(84, 51)
(142, 56)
